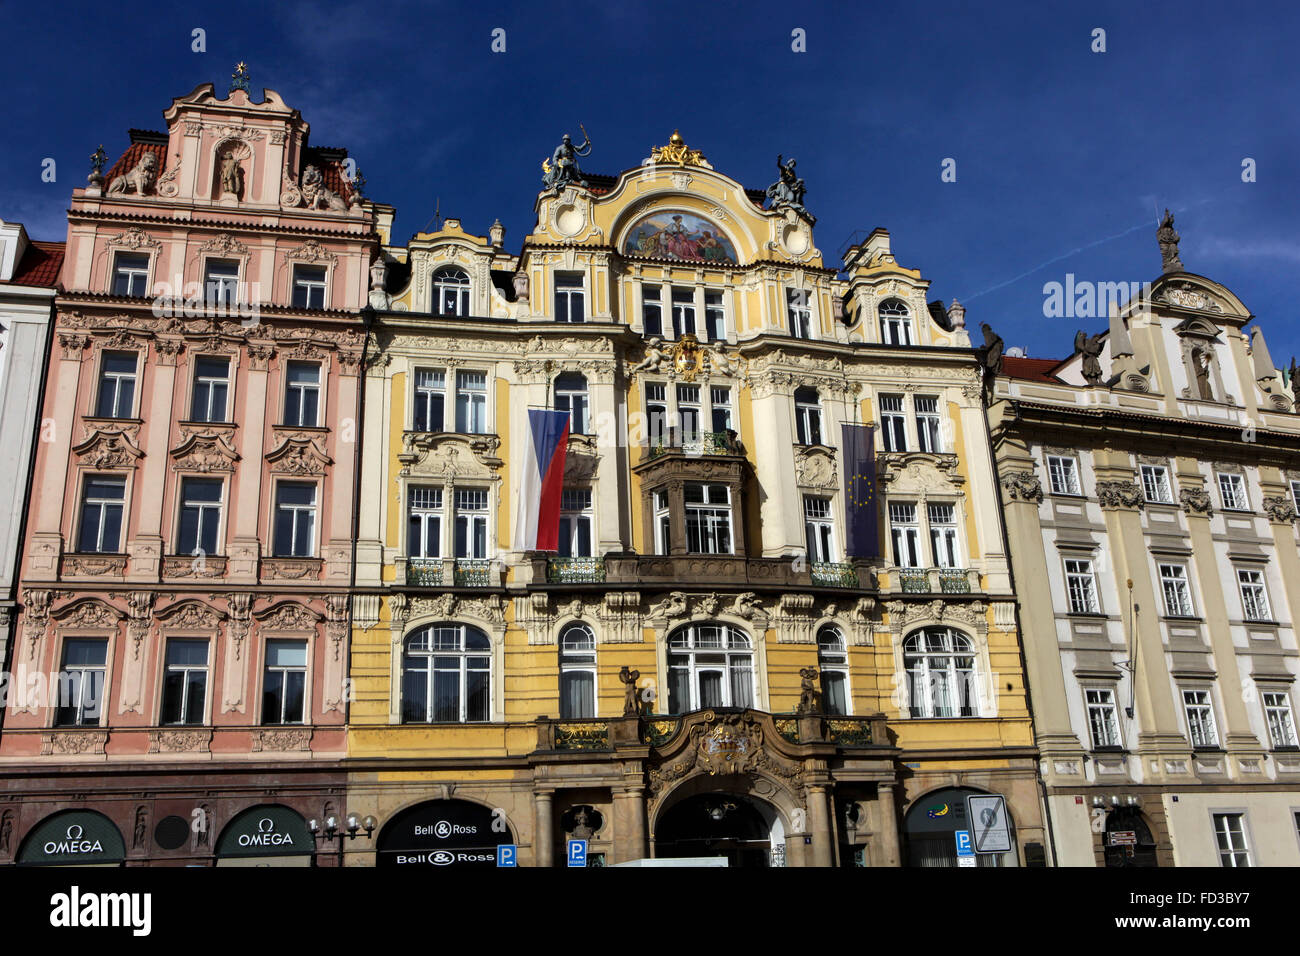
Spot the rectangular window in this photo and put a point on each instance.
(1230, 835)
(715, 321)
(131, 274)
(800, 313)
(185, 682)
(284, 683)
(906, 534)
(807, 417)
(302, 395)
(656, 413)
(927, 423)
(577, 674)
(430, 396)
(471, 522)
(1295, 494)
(720, 400)
(102, 501)
(1081, 586)
(424, 522)
(688, 411)
(575, 523)
(1063, 473)
(571, 396)
(1254, 596)
(1178, 596)
(309, 287)
(200, 516)
(1232, 488)
(1155, 484)
(471, 402)
(708, 518)
(211, 388)
(117, 385)
(893, 422)
(1102, 719)
(652, 311)
(662, 519)
(943, 534)
(295, 520)
(220, 282)
(819, 528)
(1200, 718)
(683, 312)
(81, 683)
(1281, 723)
(570, 298)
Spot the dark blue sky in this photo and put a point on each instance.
(1064, 156)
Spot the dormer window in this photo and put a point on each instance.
(451, 292)
(895, 323)
(131, 274)
(309, 287)
(570, 297)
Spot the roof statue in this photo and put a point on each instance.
(1168, 240)
(678, 152)
(562, 169)
(1090, 348)
(789, 190)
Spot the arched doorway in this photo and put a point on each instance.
(1128, 839)
(73, 838)
(931, 825)
(443, 833)
(266, 835)
(743, 830)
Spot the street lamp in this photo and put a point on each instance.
(332, 831)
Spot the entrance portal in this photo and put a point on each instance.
(720, 824)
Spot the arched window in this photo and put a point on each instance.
(451, 291)
(709, 665)
(833, 661)
(447, 675)
(577, 672)
(571, 397)
(807, 416)
(895, 323)
(940, 665)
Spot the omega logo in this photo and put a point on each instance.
(73, 843)
(265, 835)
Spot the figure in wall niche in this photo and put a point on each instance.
(1201, 368)
(563, 169)
(1090, 348)
(232, 176)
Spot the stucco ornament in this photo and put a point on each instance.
(1119, 494)
(1023, 486)
(316, 195)
(731, 745)
(1195, 501)
(1279, 509)
(140, 180)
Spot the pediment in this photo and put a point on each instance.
(108, 448)
(87, 613)
(298, 456)
(204, 453)
(920, 471)
(191, 615)
(1186, 292)
(288, 616)
(449, 455)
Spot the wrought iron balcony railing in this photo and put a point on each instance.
(706, 443)
(575, 570)
(833, 575)
(424, 572)
(473, 573)
(954, 581)
(914, 580)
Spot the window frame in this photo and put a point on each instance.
(909, 531)
(1226, 833)
(300, 281)
(1090, 575)
(297, 509)
(569, 292)
(707, 516)
(1282, 705)
(578, 660)
(186, 669)
(227, 293)
(462, 655)
(1161, 481)
(199, 380)
(58, 710)
(569, 392)
(117, 378)
(283, 670)
(799, 313)
(820, 528)
(1188, 606)
(902, 320)
(474, 518)
(893, 423)
(1262, 584)
(428, 394)
(1241, 502)
(1074, 487)
(425, 514)
(575, 513)
(959, 678)
(1206, 724)
(451, 280)
(83, 501)
(183, 503)
(929, 425)
(302, 389)
(734, 646)
(1110, 706)
(807, 416)
(835, 661)
(475, 401)
(120, 270)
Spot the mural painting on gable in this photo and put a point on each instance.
(678, 235)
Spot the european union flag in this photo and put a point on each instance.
(860, 490)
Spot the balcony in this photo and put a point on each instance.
(829, 574)
(575, 570)
(473, 573)
(707, 443)
(936, 580)
(424, 572)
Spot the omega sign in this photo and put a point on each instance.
(73, 843)
(266, 835)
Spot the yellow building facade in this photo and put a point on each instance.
(701, 670)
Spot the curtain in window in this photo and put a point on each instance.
(578, 694)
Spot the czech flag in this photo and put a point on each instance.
(537, 527)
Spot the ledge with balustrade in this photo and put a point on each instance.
(678, 570)
(706, 443)
(449, 573)
(931, 580)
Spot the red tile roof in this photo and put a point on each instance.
(40, 266)
(1030, 369)
(132, 156)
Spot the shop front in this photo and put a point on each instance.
(267, 835)
(438, 833)
(73, 838)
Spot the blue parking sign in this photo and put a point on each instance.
(963, 843)
(577, 853)
(506, 855)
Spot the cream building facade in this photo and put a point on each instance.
(1150, 482)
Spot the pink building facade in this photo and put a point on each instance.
(184, 590)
